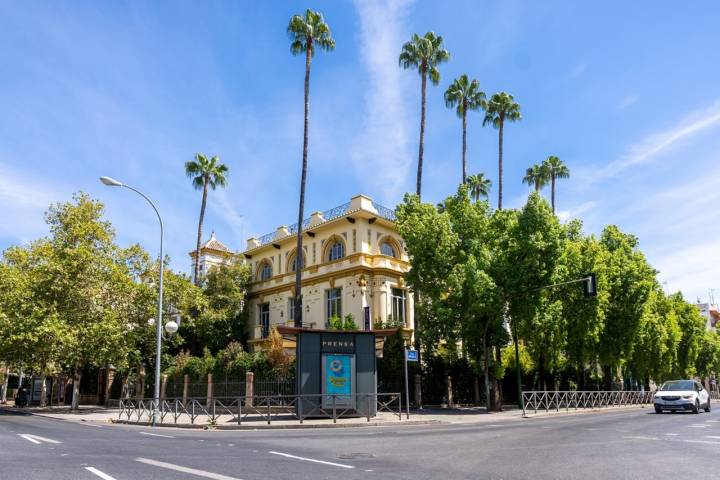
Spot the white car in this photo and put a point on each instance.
(682, 395)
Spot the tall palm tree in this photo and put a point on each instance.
(424, 53)
(555, 169)
(479, 186)
(307, 33)
(536, 175)
(465, 95)
(501, 108)
(204, 174)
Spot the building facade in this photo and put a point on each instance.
(212, 254)
(352, 262)
(710, 313)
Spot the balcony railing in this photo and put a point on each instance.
(328, 215)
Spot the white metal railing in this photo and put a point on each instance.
(548, 401)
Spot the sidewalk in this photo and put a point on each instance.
(426, 416)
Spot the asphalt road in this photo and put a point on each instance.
(633, 444)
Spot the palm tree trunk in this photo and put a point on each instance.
(552, 180)
(418, 187)
(500, 171)
(464, 145)
(199, 235)
(301, 210)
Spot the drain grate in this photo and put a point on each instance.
(356, 455)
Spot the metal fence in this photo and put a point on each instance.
(230, 387)
(567, 400)
(259, 408)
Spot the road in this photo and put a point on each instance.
(632, 444)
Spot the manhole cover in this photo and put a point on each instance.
(351, 456)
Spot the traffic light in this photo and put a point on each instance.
(590, 286)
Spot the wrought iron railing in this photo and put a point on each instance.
(547, 401)
(328, 215)
(262, 408)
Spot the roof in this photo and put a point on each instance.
(215, 244)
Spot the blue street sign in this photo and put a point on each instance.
(412, 355)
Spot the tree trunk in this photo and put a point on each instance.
(43, 389)
(464, 143)
(486, 371)
(3, 393)
(199, 235)
(77, 376)
(552, 194)
(496, 385)
(541, 372)
(500, 166)
(418, 187)
(607, 377)
(303, 178)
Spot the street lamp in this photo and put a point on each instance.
(111, 182)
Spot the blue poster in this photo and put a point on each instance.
(338, 375)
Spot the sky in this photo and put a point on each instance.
(625, 93)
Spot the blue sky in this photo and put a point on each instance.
(626, 93)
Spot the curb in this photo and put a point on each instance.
(285, 426)
(572, 412)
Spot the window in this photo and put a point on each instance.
(333, 301)
(337, 251)
(265, 271)
(264, 320)
(387, 249)
(294, 262)
(398, 298)
(291, 309)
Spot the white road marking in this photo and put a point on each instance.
(91, 425)
(311, 460)
(698, 426)
(100, 474)
(701, 441)
(641, 438)
(156, 435)
(37, 438)
(671, 434)
(712, 436)
(191, 471)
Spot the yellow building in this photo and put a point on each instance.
(353, 262)
(212, 254)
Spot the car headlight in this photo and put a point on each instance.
(687, 396)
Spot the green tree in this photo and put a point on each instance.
(692, 326)
(424, 54)
(479, 186)
(204, 173)
(707, 362)
(464, 95)
(307, 33)
(537, 176)
(500, 109)
(555, 168)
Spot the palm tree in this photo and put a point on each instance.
(204, 173)
(465, 95)
(555, 169)
(424, 53)
(479, 186)
(536, 175)
(501, 108)
(307, 33)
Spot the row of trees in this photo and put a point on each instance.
(75, 299)
(478, 274)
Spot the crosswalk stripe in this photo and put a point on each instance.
(100, 474)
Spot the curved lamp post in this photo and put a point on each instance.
(111, 182)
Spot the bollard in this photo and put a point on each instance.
(186, 388)
(209, 389)
(249, 383)
(418, 391)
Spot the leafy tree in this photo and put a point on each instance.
(204, 173)
(424, 54)
(707, 362)
(479, 186)
(501, 108)
(692, 326)
(464, 95)
(537, 176)
(307, 33)
(554, 169)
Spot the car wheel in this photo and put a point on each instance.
(707, 407)
(696, 407)
(658, 409)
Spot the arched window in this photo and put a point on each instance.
(294, 261)
(386, 248)
(337, 251)
(265, 271)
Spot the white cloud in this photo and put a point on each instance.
(655, 144)
(565, 215)
(627, 102)
(383, 150)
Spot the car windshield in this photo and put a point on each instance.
(677, 385)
